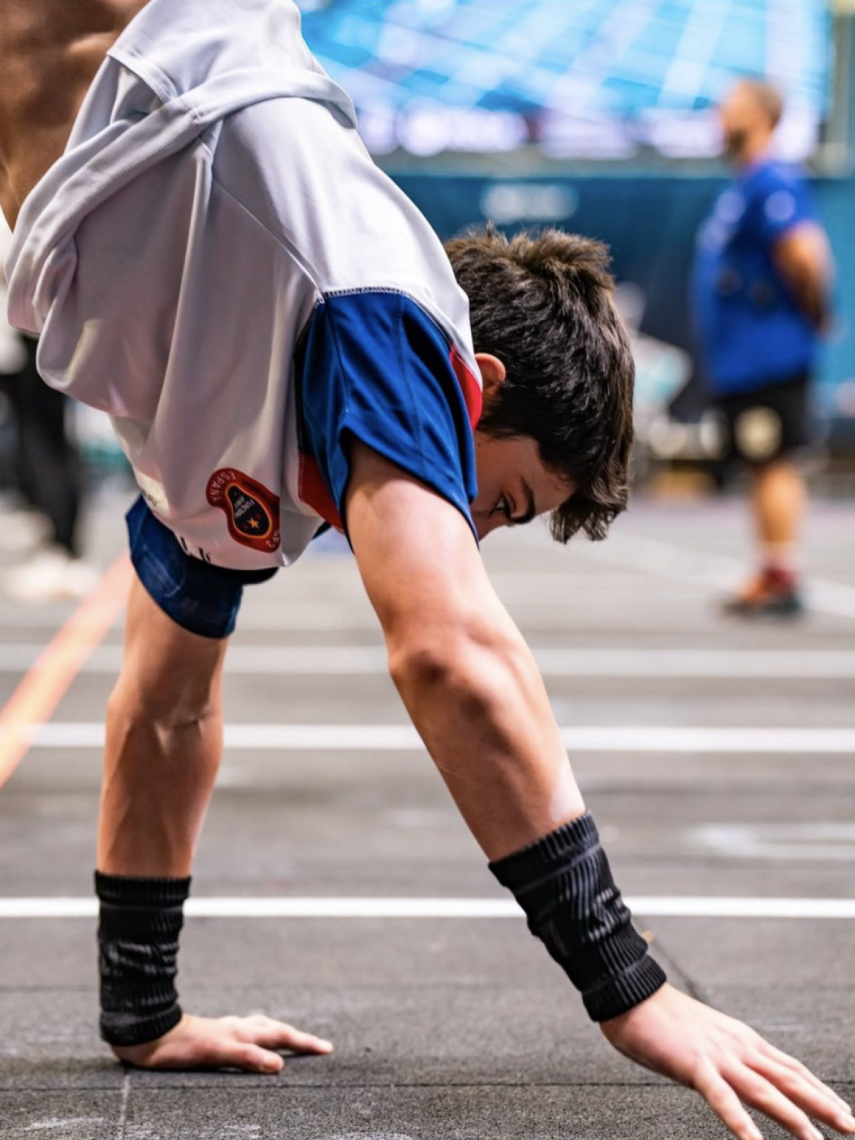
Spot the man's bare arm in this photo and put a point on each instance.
(474, 693)
(803, 259)
(466, 676)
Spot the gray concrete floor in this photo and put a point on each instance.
(459, 1027)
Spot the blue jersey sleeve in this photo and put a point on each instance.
(373, 365)
(782, 201)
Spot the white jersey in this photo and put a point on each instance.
(213, 198)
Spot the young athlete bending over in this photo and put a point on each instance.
(208, 254)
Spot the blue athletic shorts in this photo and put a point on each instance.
(201, 598)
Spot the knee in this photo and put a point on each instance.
(171, 705)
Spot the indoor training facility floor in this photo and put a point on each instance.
(337, 888)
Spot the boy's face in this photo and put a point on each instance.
(513, 484)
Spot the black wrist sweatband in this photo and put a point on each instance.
(564, 885)
(139, 924)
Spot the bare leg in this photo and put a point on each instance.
(164, 739)
(779, 498)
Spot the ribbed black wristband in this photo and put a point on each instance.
(140, 921)
(564, 885)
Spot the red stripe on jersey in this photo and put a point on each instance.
(313, 492)
(469, 386)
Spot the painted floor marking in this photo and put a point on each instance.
(358, 617)
(367, 660)
(44, 686)
(792, 841)
(669, 560)
(648, 906)
(403, 738)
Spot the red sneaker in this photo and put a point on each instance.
(774, 592)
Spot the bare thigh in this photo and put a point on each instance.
(49, 54)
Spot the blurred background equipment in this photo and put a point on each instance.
(44, 474)
(599, 116)
(601, 79)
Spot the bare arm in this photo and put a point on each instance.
(803, 259)
(475, 695)
(467, 678)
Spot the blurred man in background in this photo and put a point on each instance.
(761, 287)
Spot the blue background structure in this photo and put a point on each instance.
(626, 62)
(621, 57)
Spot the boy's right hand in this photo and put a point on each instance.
(251, 1044)
(728, 1064)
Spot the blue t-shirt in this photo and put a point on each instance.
(751, 331)
(373, 365)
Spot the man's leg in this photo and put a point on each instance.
(767, 428)
(52, 456)
(164, 739)
(51, 475)
(779, 500)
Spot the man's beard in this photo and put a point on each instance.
(734, 142)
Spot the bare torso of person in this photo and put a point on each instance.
(49, 53)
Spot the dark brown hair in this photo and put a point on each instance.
(543, 304)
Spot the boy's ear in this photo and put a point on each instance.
(493, 373)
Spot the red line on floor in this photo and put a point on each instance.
(50, 676)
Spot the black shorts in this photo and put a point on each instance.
(766, 423)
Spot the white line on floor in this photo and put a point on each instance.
(646, 906)
(582, 738)
(669, 560)
(366, 660)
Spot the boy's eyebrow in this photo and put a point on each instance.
(530, 511)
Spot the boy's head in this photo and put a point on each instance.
(557, 371)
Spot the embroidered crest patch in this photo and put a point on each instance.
(251, 510)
